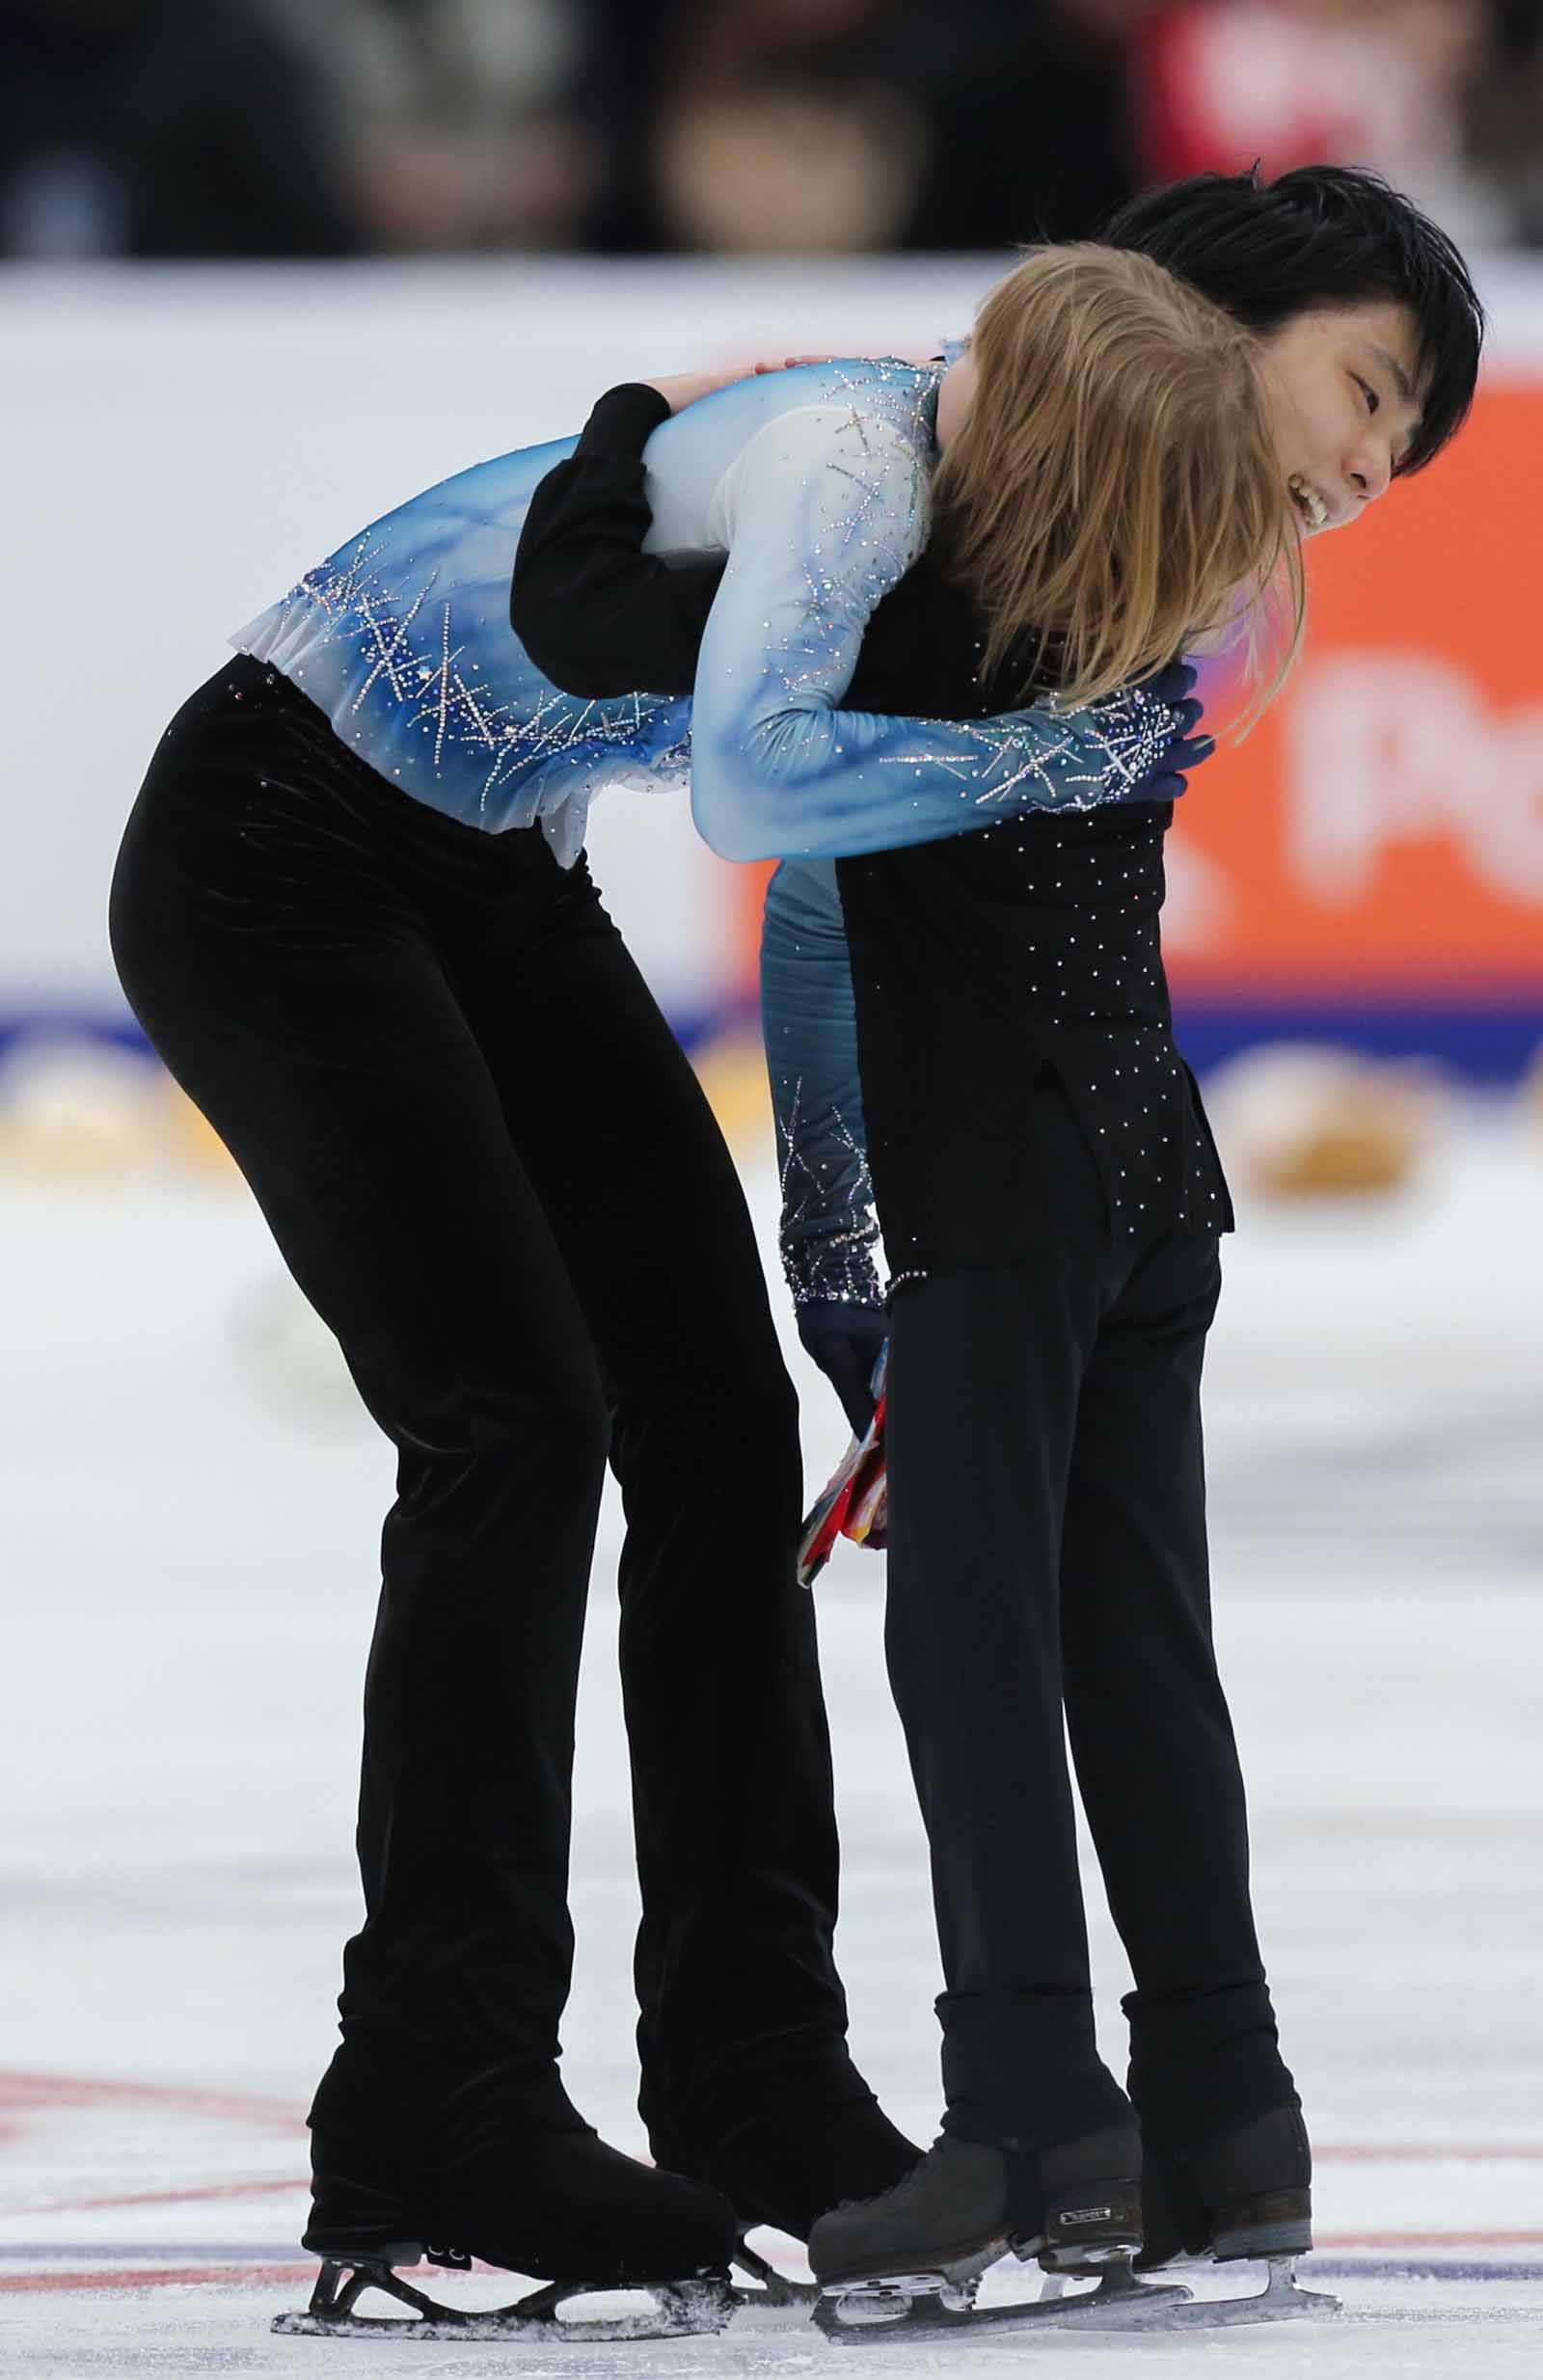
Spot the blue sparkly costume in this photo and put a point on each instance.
(815, 483)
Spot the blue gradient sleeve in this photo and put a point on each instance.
(830, 1232)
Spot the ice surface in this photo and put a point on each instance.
(190, 1516)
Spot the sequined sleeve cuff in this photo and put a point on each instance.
(831, 1277)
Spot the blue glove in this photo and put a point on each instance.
(1170, 777)
(845, 1339)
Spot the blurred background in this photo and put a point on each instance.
(269, 266)
(226, 129)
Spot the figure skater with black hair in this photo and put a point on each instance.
(986, 1021)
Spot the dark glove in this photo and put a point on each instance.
(843, 1341)
(1170, 777)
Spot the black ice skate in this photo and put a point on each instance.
(914, 2258)
(514, 2178)
(1249, 2197)
(807, 2142)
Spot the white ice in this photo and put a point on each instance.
(189, 1550)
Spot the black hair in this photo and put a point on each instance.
(1323, 236)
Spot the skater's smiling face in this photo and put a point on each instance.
(1345, 397)
(1346, 388)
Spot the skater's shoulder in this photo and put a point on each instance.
(859, 397)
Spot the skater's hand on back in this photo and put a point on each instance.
(845, 1339)
(1170, 778)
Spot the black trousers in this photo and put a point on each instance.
(493, 1174)
(1047, 1554)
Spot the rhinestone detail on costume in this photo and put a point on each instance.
(445, 693)
(840, 1264)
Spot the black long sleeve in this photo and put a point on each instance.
(597, 614)
(599, 617)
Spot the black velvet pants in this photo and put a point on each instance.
(1047, 1554)
(493, 1174)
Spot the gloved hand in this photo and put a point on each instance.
(1170, 777)
(844, 1339)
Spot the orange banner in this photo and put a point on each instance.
(1382, 829)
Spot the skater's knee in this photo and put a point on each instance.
(558, 1425)
(570, 1431)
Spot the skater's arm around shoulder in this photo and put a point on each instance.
(597, 614)
(823, 513)
(601, 617)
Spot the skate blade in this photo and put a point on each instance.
(675, 2309)
(774, 2303)
(915, 2307)
(884, 2299)
(1283, 2299)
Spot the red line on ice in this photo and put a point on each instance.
(22, 2092)
(158, 2197)
(225, 2276)
(1428, 2239)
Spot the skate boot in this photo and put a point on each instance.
(917, 2254)
(503, 2170)
(789, 2145)
(1250, 2196)
(967, 2203)
(784, 2150)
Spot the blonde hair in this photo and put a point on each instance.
(1113, 497)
